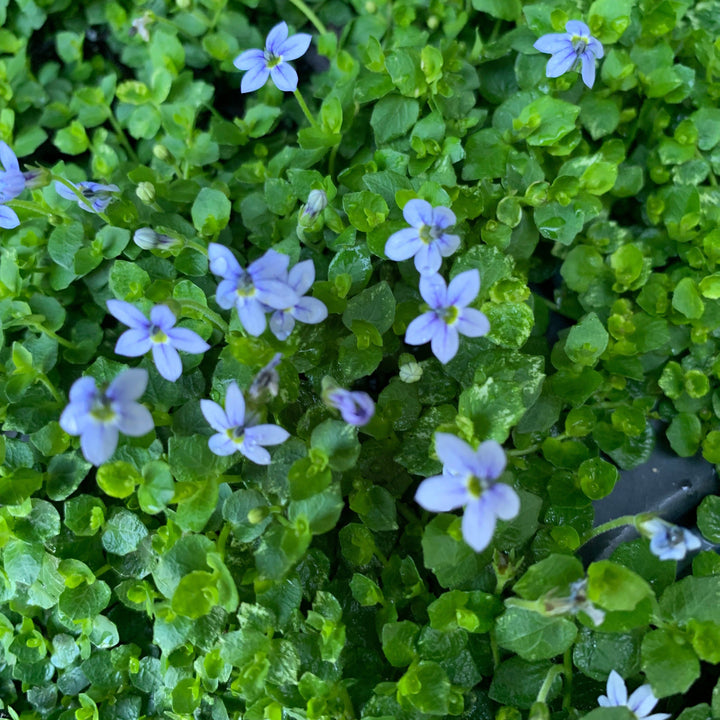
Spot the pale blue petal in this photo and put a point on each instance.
(221, 444)
(163, 317)
(403, 244)
(422, 329)
(254, 79)
(8, 218)
(309, 310)
(447, 244)
(252, 316)
(284, 77)
(295, 46)
(428, 259)
(478, 524)
(127, 314)
(98, 442)
(133, 343)
(553, 43)
(642, 701)
(596, 48)
(491, 460)
(577, 27)
(65, 192)
(235, 405)
(270, 266)
(616, 690)
(256, 453)
(692, 542)
(134, 420)
(434, 291)
(167, 361)
(418, 212)
(215, 415)
(441, 493)
(83, 391)
(128, 386)
(266, 434)
(11, 185)
(588, 68)
(226, 294)
(503, 501)
(8, 158)
(275, 293)
(463, 288)
(301, 277)
(187, 340)
(276, 37)
(282, 323)
(249, 59)
(560, 63)
(445, 343)
(223, 262)
(472, 323)
(456, 455)
(74, 418)
(443, 217)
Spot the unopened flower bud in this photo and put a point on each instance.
(148, 239)
(183, 4)
(36, 178)
(257, 515)
(266, 382)
(316, 203)
(146, 192)
(162, 153)
(410, 370)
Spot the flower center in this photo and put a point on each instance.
(448, 315)
(272, 60)
(245, 287)
(236, 434)
(157, 335)
(428, 234)
(475, 486)
(580, 43)
(675, 536)
(102, 410)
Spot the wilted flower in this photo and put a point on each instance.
(668, 541)
(467, 481)
(570, 47)
(356, 408)
(99, 416)
(448, 317)
(97, 196)
(273, 61)
(267, 381)
(253, 290)
(426, 239)
(233, 434)
(158, 334)
(140, 26)
(307, 310)
(148, 239)
(641, 702)
(576, 602)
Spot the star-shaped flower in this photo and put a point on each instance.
(356, 407)
(233, 434)
(570, 47)
(97, 196)
(158, 334)
(99, 416)
(426, 239)
(641, 702)
(448, 317)
(273, 61)
(668, 541)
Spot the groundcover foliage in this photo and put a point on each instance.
(261, 554)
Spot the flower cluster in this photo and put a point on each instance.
(266, 286)
(468, 480)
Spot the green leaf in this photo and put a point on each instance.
(398, 642)
(486, 155)
(72, 140)
(123, 532)
(338, 441)
(366, 210)
(548, 119)
(555, 572)
(210, 211)
(708, 518)
(502, 9)
(669, 662)
(517, 682)
(686, 299)
(596, 654)
(614, 587)
(375, 305)
(608, 19)
(393, 116)
(84, 601)
(587, 341)
(533, 636)
(118, 479)
(597, 477)
(684, 434)
(321, 511)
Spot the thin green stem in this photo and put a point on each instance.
(222, 540)
(196, 246)
(121, 136)
(331, 161)
(212, 317)
(568, 671)
(304, 107)
(60, 340)
(495, 650)
(310, 15)
(31, 206)
(380, 556)
(80, 196)
(527, 451)
(552, 673)
(43, 378)
(606, 527)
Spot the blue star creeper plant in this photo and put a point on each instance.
(158, 334)
(236, 429)
(468, 481)
(99, 416)
(255, 291)
(640, 703)
(273, 61)
(569, 48)
(425, 239)
(449, 315)
(96, 196)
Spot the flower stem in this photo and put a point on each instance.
(37, 324)
(31, 206)
(212, 317)
(605, 527)
(310, 15)
(552, 673)
(304, 107)
(121, 136)
(196, 246)
(43, 378)
(568, 670)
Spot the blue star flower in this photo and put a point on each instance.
(12, 183)
(235, 431)
(158, 334)
(97, 196)
(99, 416)
(273, 61)
(668, 541)
(356, 408)
(254, 290)
(640, 703)
(448, 317)
(426, 239)
(569, 47)
(467, 481)
(307, 310)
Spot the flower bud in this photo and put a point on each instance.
(148, 239)
(410, 370)
(257, 515)
(162, 153)
(146, 192)
(316, 203)
(36, 178)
